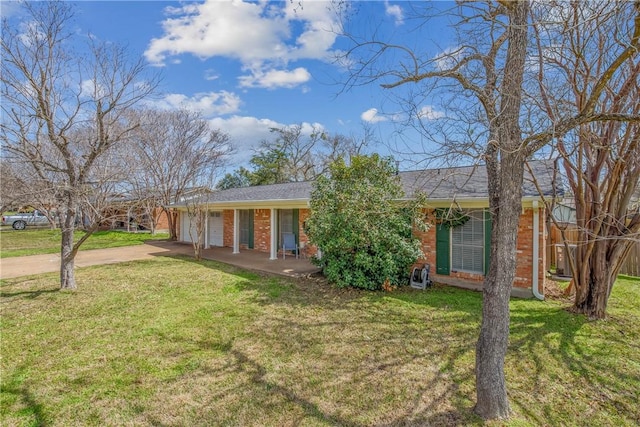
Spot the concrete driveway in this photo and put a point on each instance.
(37, 264)
(251, 260)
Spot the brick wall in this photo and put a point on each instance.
(524, 265)
(262, 230)
(162, 221)
(227, 228)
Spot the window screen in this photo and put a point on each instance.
(467, 244)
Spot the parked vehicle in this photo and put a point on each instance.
(20, 221)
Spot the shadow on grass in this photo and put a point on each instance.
(354, 341)
(27, 294)
(556, 346)
(14, 388)
(259, 377)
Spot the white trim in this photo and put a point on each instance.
(536, 253)
(273, 235)
(236, 231)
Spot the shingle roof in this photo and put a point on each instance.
(436, 184)
(286, 191)
(471, 181)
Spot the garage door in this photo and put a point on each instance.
(187, 228)
(216, 227)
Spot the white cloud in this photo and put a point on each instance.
(429, 113)
(246, 133)
(448, 58)
(209, 103)
(210, 75)
(272, 79)
(90, 89)
(371, 116)
(260, 35)
(395, 11)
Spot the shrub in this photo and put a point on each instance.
(362, 225)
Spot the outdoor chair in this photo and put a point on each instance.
(289, 244)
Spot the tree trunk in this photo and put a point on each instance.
(491, 349)
(505, 171)
(594, 287)
(67, 252)
(172, 221)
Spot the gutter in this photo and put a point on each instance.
(536, 252)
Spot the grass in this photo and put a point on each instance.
(175, 342)
(45, 241)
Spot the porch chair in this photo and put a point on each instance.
(289, 244)
(420, 277)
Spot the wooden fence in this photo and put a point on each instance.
(631, 266)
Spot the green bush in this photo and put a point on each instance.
(362, 225)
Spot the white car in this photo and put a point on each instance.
(20, 221)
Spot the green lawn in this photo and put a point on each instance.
(173, 342)
(45, 241)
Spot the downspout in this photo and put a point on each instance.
(536, 251)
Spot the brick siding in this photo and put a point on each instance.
(524, 262)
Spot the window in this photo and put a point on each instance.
(287, 223)
(246, 227)
(467, 244)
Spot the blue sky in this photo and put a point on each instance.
(252, 66)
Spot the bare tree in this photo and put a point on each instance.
(295, 155)
(62, 110)
(487, 71)
(600, 159)
(198, 214)
(173, 151)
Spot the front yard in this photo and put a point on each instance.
(45, 241)
(174, 342)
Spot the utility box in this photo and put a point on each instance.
(563, 263)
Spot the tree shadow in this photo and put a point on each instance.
(14, 387)
(549, 335)
(26, 294)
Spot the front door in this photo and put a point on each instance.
(216, 228)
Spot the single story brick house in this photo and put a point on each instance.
(254, 218)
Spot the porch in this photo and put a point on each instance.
(259, 261)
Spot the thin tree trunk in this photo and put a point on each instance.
(67, 252)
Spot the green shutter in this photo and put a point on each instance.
(251, 217)
(487, 240)
(443, 247)
(296, 224)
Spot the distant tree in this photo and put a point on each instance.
(13, 191)
(173, 151)
(361, 225)
(294, 156)
(241, 177)
(62, 114)
(197, 213)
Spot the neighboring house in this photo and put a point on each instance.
(255, 217)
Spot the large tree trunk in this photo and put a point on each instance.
(67, 252)
(172, 221)
(491, 349)
(595, 281)
(505, 170)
